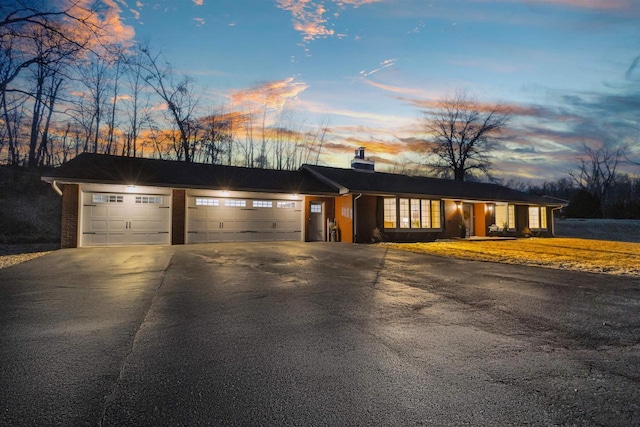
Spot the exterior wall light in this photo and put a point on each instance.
(225, 193)
(131, 188)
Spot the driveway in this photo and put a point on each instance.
(312, 333)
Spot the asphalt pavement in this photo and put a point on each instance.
(312, 334)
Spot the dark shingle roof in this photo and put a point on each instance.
(394, 184)
(100, 168)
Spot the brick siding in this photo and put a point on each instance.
(70, 215)
(178, 217)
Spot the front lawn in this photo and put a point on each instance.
(595, 256)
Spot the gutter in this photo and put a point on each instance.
(354, 222)
(54, 185)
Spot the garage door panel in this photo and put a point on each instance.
(243, 220)
(122, 219)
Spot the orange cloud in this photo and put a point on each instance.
(309, 15)
(104, 27)
(271, 95)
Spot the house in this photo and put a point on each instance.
(113, 200)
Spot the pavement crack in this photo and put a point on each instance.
(380, 267)
(111, 396)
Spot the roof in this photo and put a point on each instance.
(353, 181)
(107, 169)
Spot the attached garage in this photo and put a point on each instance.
(125, 219)
(245, 219)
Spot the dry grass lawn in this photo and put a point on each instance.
(596, 256)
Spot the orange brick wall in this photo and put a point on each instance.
(344, 217)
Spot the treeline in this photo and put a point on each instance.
(70, 83)
(621, 200)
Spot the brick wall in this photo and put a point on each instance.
(70, 215)
(178, 217)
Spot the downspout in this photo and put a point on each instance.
(54, 185)
(553, 222)
(354, 223)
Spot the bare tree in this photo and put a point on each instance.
(597, 171)
(179, 96)
(71, 28)
(461, 134)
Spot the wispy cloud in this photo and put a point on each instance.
(200, 21)
(384, 64)
(272, 94)
(589, 4)
(311, 17)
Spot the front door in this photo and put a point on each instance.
(316, 221)
(467, 213)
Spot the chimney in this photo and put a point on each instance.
(359, 163)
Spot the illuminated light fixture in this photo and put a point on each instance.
(459, 206)
(295, 196)
(225, 193)
(131, 188)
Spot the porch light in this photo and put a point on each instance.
(131, 188)
(295, 196)
(225, 193)
(459, 206)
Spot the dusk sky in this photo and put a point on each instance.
(570, 69)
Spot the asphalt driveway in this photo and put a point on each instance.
(302, 334)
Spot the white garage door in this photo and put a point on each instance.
(125, 219)
(217, 219)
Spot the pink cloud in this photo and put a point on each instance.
(271, 94)
(310, 17)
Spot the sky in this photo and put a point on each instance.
(568, 69)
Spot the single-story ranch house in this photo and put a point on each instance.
(113, 200)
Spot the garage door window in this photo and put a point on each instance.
(149, 200)
(107, 198)
(236, 203)
(287, 205)
(262, 204)
(206, 201)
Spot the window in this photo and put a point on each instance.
(286, 205)
(426, 213)
(149, 200)
(512, 216)
(107, 198)
(235, 203)
(404, 213)
(262, 204)
(316, 208)
(390, 216)
(415, 213)
(206, 201)
(435, 214)
(505, 216)
(543, 217)
(534, 217)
